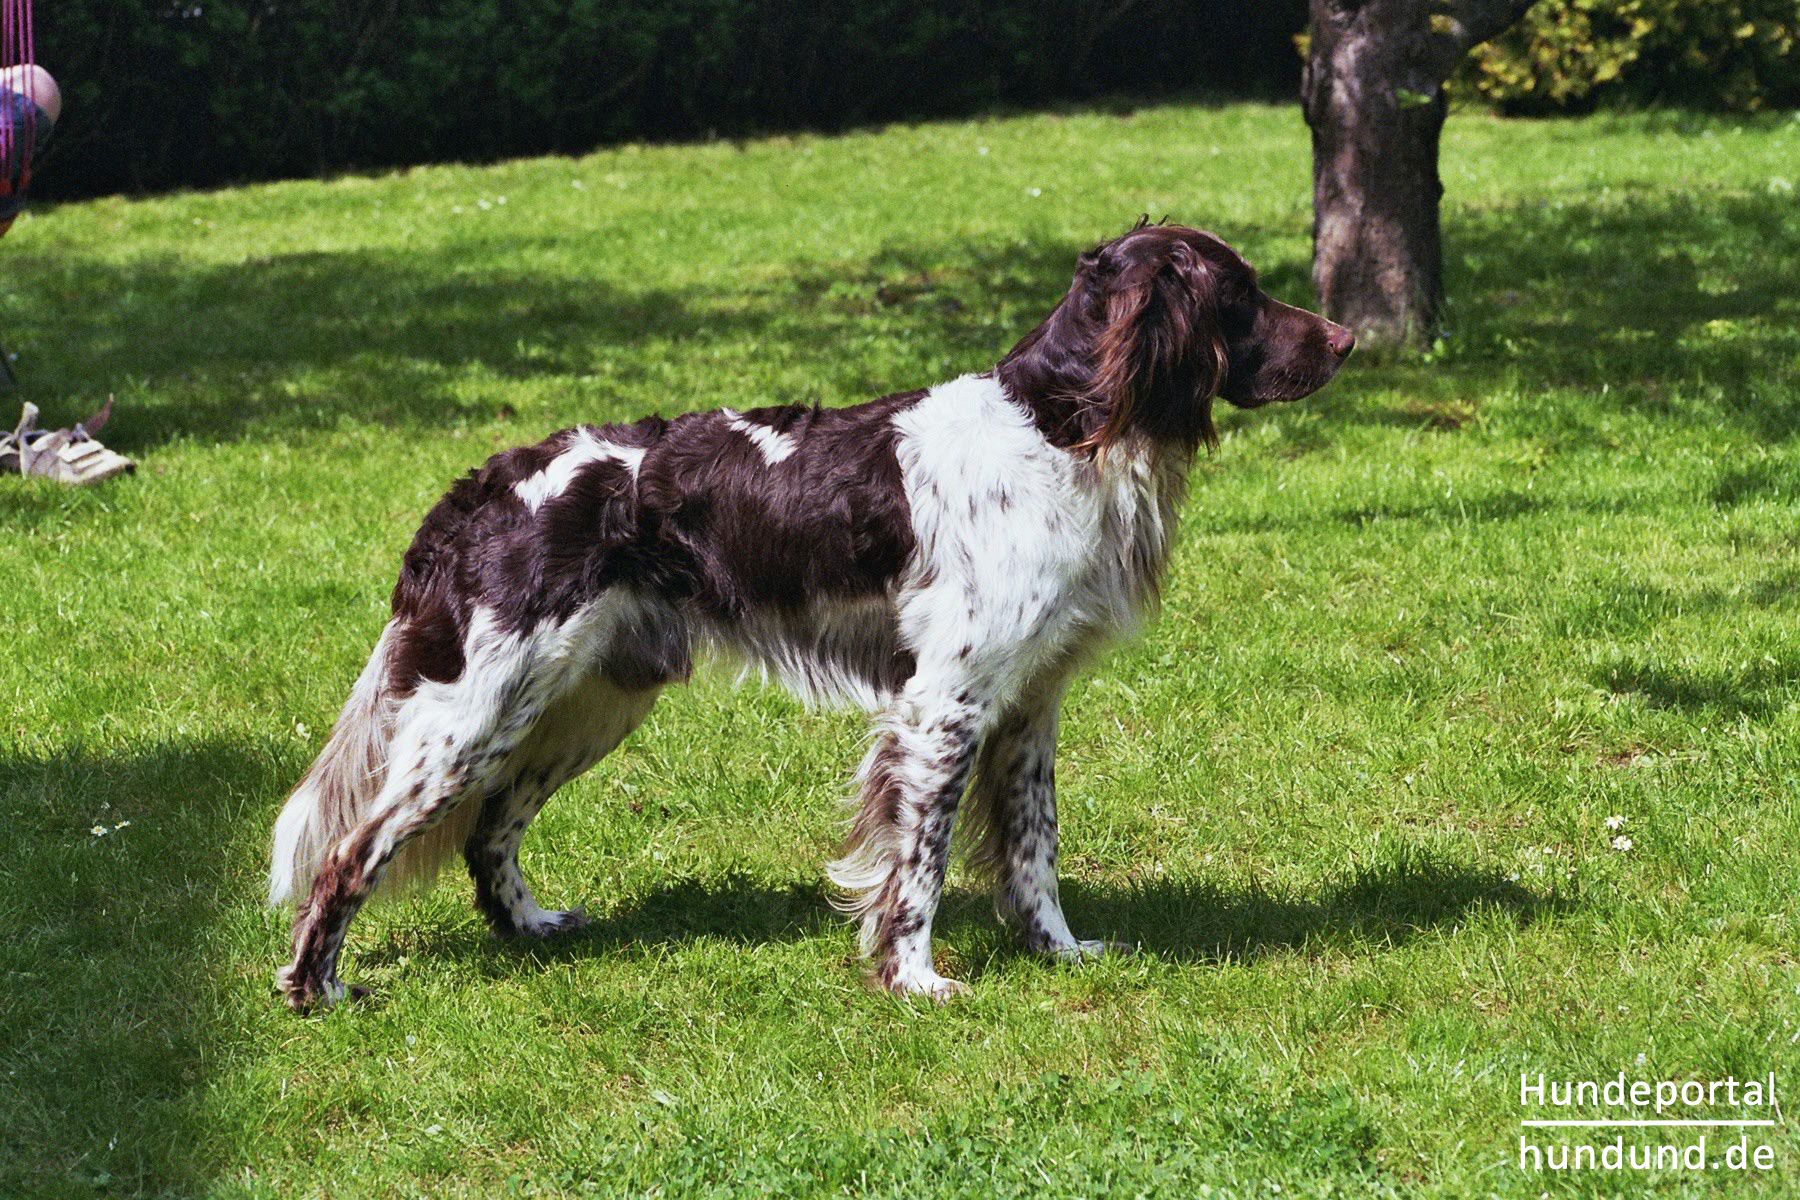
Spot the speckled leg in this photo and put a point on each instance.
(492, 853)
(415, 799)
(912, 782)
(1012, 814)
(573, 734)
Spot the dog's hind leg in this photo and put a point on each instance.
(418, 796)
(492, 853)
(576, 732)
(451, 741)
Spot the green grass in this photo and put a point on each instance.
(1425, 633)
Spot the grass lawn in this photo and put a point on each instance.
(1425, 634)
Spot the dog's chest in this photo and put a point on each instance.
(1019, 540)
(1136, 496)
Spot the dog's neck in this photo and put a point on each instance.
(1147, 481)
(1047, 372)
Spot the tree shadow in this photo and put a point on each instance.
(1755, 690)
(1644, 301)
(1620, 296)
(1502, 506)
(304, 341)
(35, 503)
(118, 869)
(1188, 922)
(1498, 507)
(1665, 306)
(1772, 480)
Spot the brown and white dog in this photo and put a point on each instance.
(946, 558)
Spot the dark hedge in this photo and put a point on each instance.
(166, 94)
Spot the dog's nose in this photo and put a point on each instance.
(1341, 340)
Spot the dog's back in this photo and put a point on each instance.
(776, 535)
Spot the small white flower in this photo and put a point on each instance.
(982, 150)
(1781, 187)
(1641, 1059)
(483, 205)
(1615, 823)
(577, 184)
(1034, 192)
(1622, 843)
(500, 200)
(1513, 878)
(99, 831)
(120, 825)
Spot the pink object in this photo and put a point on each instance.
(18, 49)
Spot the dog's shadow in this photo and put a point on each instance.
(1371, 910)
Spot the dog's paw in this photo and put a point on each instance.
(308, 995)
(1081, 951)
(929, 984)
(546, 924)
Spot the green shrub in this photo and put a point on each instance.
(1568, 54)
(173, 93)
(195, 92)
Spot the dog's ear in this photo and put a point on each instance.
(1159, 357)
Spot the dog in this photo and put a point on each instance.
(947, 558)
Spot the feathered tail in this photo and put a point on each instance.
(339, 792)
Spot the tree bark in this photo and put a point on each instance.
(1373, 94)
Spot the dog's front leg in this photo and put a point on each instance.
(900, 840)
(1013, 808)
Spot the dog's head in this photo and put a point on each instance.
(1166, 318)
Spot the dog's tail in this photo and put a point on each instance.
(340, 789)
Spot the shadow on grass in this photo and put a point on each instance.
(302, 341)
(1495, 508)
(111, 991)
(1753, 690)
(1625, 296)
(1375, 908)
(1181, 922)
(1774, 480)
(34, 504)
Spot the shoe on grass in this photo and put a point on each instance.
(70, 456)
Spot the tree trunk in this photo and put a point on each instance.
(1377, 251)
(1373, 94)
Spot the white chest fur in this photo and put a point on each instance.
(1027, 554)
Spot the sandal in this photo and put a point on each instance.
(70, 456)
